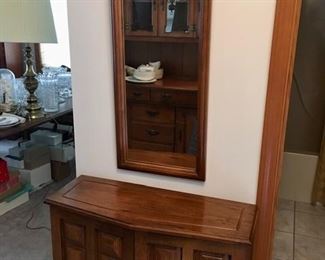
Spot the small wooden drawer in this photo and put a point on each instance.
(199, 255)
(154, 114)
(140, 145)
(151, 133)
(175, 97)
(137, 93)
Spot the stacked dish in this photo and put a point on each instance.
(144, 73)
(9, 121)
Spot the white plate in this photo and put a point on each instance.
(8, 120)
(134, 80)
(7, 126)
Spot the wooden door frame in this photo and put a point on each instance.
(284, 42)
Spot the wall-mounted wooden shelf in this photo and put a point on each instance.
(186, 85)
(161, 39)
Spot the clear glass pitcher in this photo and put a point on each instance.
(48, 92)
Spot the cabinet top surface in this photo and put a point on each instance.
(144, 208)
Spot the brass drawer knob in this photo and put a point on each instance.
(152, 132)
(166, 96)
(137, 94)
(152, 113)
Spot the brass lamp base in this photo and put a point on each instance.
(34, 114)
(33, 109)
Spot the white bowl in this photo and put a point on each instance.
(144, 75)
(159, 73)
(156, 65)
(129, 70)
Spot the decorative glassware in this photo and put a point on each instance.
(21, 96)
(63, 80)
(64, 84)
(7, 91)
(48, 92)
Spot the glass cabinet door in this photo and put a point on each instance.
(177, 18)
(140, 17)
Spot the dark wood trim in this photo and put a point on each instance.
(2, 55)
(14, 59)
(123, 154)
(277, 103)
(38, 57)
(204, 47)
(119, 81)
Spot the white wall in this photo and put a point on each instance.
(298, 176)
(58, 54)
(240, 52)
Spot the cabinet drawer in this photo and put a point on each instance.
(151, 133)
(150, 146)
(136, 93)
(175, 97)
(154, 114)
(200, 255)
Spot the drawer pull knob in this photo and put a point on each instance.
(166, 96)
(152, 132)
(152, 113)
(137, 94)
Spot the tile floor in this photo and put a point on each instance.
(19, 243)
(299, 232)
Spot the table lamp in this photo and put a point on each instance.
(28, 21)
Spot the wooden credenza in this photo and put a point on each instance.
(100, 219)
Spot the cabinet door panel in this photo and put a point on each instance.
(109, 245)
(74, 253)
(74, 233)
(161, 252)
(140, 17)
(150, 246)
(113, 243)
(177, 18)
(77, 237)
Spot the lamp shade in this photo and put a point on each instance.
(27, 21)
